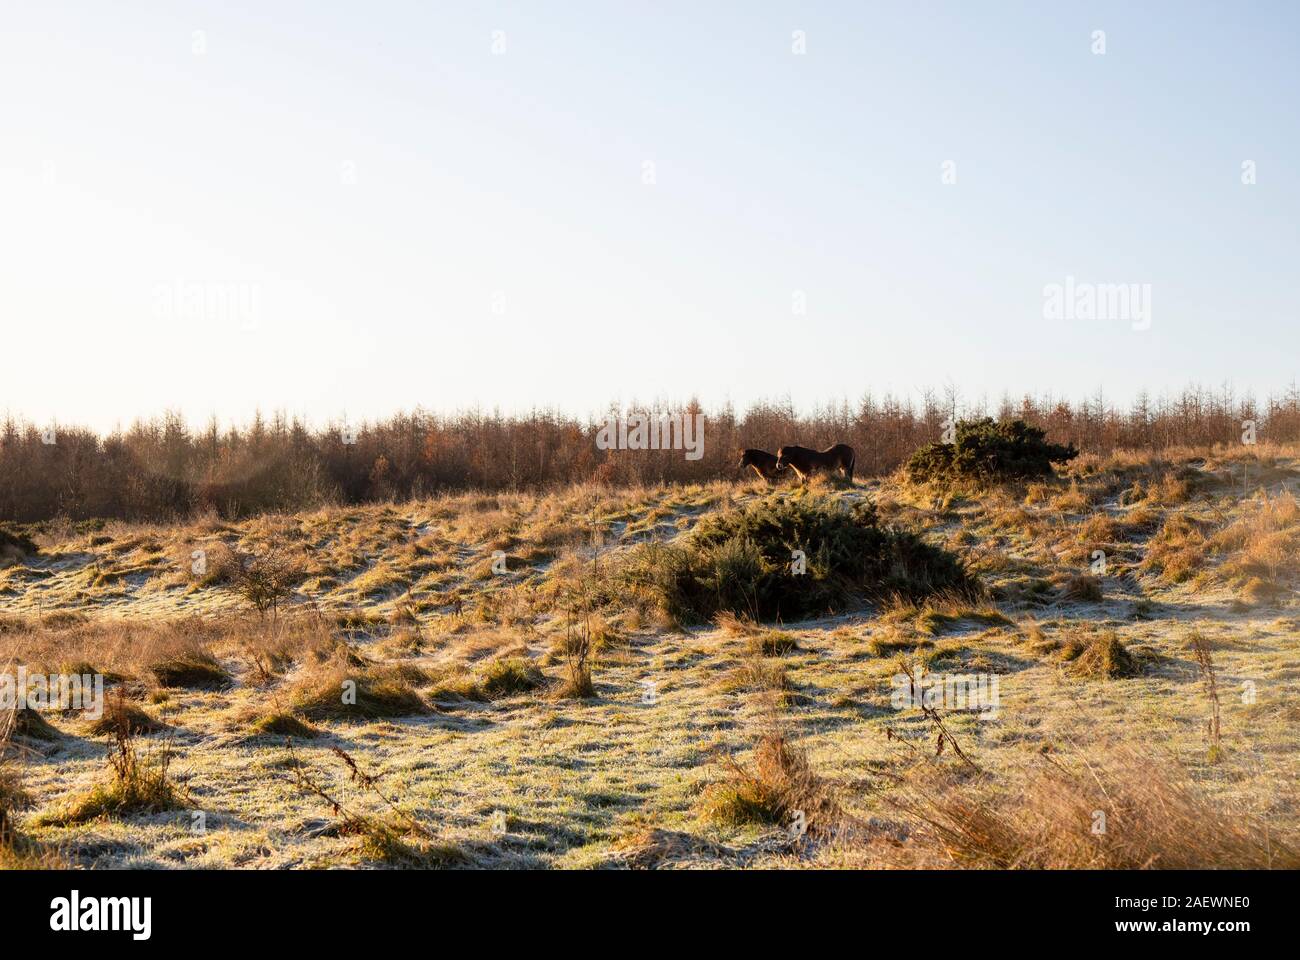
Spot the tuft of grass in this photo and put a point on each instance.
(936, 616)
(457, 687)
(1155, 817)
(64, 620)
(281, 724)
(12, 795)
(17, 852)
(395, 838)
(15, 545)
(120, 713)
(511, 676)
(773, 643)
(1082, 587)
(192, 669)
(758, 675)
(894, 641)
(30, 725)
(1073, 500)
(358, 619)
(1262, 546)
(1179, 551)
(578, 685)
(733, 625)
(780, 787)
(392, 842)
(1103, 657)
(135, 785)
(371, 693)
(220, 564)
(12, 798)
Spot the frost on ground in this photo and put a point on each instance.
(477, 681)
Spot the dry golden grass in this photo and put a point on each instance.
(1102, 657)
(135, 784)
(778, 788)
(1107, 807)
(120, 714)
(1264, 542)
(339, 692)
(547, 699)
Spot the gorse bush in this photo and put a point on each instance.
(14, 544)
(989, 451)
(747, 561)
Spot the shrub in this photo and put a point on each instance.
(266, 581)
(578, 648)
(742, 561)
(989, 451)
(14, 544)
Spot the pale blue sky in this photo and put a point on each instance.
(424, 221)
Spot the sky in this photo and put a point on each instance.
(344, 209)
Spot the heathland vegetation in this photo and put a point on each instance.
(678, 674)
(164, 470)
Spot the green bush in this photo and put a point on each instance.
(16, 540)
(743, 561)
(988, 451)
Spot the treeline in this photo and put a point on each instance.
(163, 470)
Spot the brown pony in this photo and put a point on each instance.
(764, 463)
(805, 462)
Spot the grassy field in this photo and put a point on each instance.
(520, 702)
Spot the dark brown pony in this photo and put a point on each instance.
(806, 462)
(764, 463)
